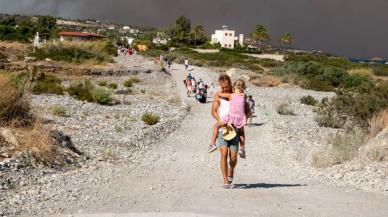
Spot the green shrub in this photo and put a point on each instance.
(102, 83)
(308, 100)
(82, 90)
(112, 86)
(86, 91)
(75, 52)
(59, 110)
(135, 80)
(128, 83)
(48, 84)
(150, 119)
(316, 76)
(284, 109)
(380, 70)
(102, 96)
(324, 59)
(326, 120)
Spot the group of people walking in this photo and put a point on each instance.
(198, 88)
(232, 109)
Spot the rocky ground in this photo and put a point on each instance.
(108, 136)
(131, 167)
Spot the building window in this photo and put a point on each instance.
(225, 45)
(230, 45)
(230, 34)
(226, 34)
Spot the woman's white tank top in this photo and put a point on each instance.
(223, 110)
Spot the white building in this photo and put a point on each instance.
(227, 38)
(161, 38)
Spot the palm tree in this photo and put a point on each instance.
(260, 35)
(286, 39)
(198, 33)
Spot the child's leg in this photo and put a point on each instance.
(215, 134)
(242, 138)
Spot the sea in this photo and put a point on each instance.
(369, 61)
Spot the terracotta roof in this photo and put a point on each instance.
(81, 34)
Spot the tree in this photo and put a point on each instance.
(180, 33)
(260, 35)
(46, 24)
(198, 35)
(183, 25)
(286, 39)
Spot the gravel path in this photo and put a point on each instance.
(178, 178)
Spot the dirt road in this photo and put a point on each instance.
(179, 178)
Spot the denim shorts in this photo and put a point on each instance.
(232, 144)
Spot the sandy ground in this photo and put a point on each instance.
(277, 57)
(179, 178)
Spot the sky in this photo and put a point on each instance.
(351, 28)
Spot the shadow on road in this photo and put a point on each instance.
(265, 185)
(257, 124)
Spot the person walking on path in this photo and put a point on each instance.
(186, 64)
(251, 104)
(220, 108)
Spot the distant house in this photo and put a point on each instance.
(79, 36)
(134, 31)
(161, 38)
(227, 38)
(126, 28)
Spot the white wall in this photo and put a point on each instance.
(224, 37)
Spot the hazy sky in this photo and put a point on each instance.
(354, 28)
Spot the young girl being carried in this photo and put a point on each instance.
(236, 115)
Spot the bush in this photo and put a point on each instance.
(323, 59)
(86, 91)
(82, 90)
(308, 100)
(325, 120)
(15, 106)
(315, 76)
(102, 83)
(128, 83)
(112, 86)
(75, 52)
(59, 110)
(341, 148)
(150, 119)
(47, 84)
(102, 96)
(380, 70)
(284, 109)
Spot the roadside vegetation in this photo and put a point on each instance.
(87, 91)
(77, 52)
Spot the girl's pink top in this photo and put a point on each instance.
(236, 115)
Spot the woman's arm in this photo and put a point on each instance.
(215, 105)
(224, 95)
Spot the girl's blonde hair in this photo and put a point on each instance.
(239, 84)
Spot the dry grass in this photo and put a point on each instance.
(38, 142)
(284, 109)
(361, 71)
(377, 123)
(341, 147)
(15, 108)
(266, 81)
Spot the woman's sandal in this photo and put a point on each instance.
(226, 186)
(230, 179)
